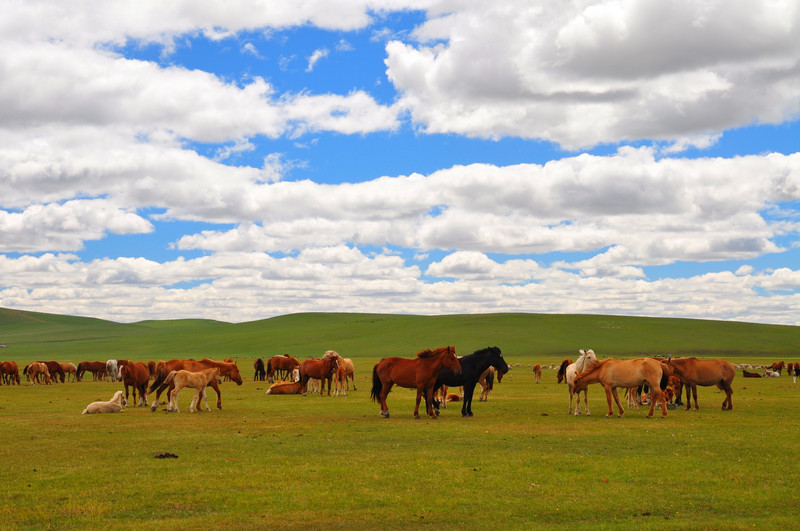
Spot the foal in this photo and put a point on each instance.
(198, 380)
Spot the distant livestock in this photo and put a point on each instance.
(748, 374)
(114, 405)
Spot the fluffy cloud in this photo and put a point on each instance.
(587, 72)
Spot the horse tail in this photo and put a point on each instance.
(666, 371)
(490, 380)
(170, 377)
(159, 378)
(377, 385)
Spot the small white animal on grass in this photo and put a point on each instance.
(114, 405)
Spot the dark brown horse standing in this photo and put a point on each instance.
(696, 372)
(163, 368)
(418, 373)
(56, 370)
(260, 372)
(321, 369)
(134, 375)
(10, 371)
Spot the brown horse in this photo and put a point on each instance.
(284, 363)
(55, 369)
(777, 366)
(198, 380)
(163, 368)
(347, 365)
(36, 370)
(70, 368)
(419, 373)
(10, 371)
(97, 368)
(696, 372)
(561, 374)
(537, 373)
(613, 373)
(134, 375)
(321, 369)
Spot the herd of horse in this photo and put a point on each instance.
(429, 373)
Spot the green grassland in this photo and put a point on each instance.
(300, 462)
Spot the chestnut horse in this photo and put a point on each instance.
(163, 368)
(321, 369)
(70, 368)
(562, 370)
(97, 368)
(284, 363)
(10, 370)
(418, 373)
(347, 365)
(198, 380)
(134, 375)
(696, 372)
(55, 369)
(35, 370)
(537, 373)
(613, 373)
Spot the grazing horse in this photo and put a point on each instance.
(37, 370)
(163, 368)
(537, 373)
(418, 373)
(613, 373)
(261, 372)
(472, 367)
(561, 374)
(487, 384)
(777, 366)
(696, 372)
(284, 363)
(321, 369)
(586, 358)
(70, 368)
(748, 374)
(134, 375)
(114, 405)
(112, 370)
(198, 380)
(10, 370)
(97, 368)
(55, 370)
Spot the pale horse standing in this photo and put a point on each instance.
(586, 358)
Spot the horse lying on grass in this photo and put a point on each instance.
(114, 405)
(295, 387)
(197, 380)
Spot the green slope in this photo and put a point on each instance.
(30, 335)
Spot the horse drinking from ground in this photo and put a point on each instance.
(321, 369)
(198, 380)
(472, 367)
(586, 358)
(613, 373)
(163, 368)
(134, 375)
(418, 373)
(696, 372)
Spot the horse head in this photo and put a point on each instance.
(234, 374)
(450, 360)
(497, 361)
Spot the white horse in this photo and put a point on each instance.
(114, 405)
(111, 370)
(586, 358)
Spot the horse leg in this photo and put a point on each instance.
(688, 395)
(653, 398)
(694, 394)
(385, 388)
(469, 392)
(616, 399)
(608, 399)
(429, 402)
(193, 406)
(416, 407)
(585, 401)
(215, 386)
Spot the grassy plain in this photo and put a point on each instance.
(293, 462)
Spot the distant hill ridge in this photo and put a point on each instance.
(32, 335)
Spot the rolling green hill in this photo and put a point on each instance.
(31, 335)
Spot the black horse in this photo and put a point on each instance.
(261, 372)
(472, 366)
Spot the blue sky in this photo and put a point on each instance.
(237, 162)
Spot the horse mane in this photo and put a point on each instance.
(427, 353)
(595, 366)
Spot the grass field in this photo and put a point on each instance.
(294, 462)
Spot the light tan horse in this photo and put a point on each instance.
(696, 372)
(349, 368)
(198, 380)
(537, 373)
(613, 373)
(37, 370)
(586, 358)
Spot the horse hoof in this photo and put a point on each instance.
(609, 416)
